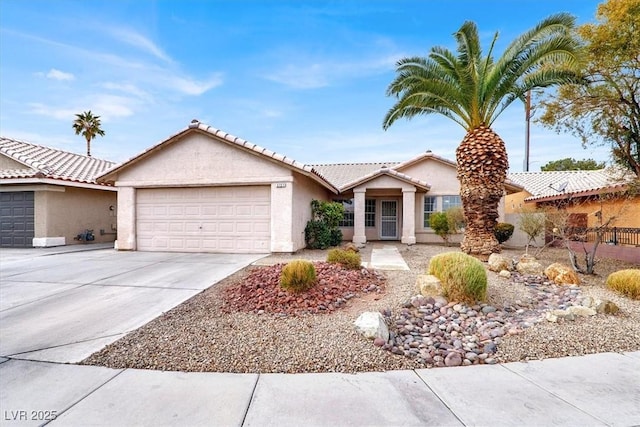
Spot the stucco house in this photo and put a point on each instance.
(203, 189)
(590, 196)
(49, 196)
(588, 202)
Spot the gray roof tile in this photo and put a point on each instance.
(554, 184)
(46, 162)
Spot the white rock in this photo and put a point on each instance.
(527, 265)
(579, 310)
(551, 317)
(371, 325)
(428, 285)
(497, 263)
(588, 302)
(505, 273)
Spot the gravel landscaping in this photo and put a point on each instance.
(242, 325)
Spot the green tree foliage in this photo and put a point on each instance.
(89, 126)
(322, 231)
(571, 164)
(504, 231)
(440, 225)
(473, 88)
(605, 110)
(446, 223)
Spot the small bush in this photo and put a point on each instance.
(503, 231)
(627, 282)
(463, 277)
(322, 231)
(439, 222)
(346, 258)
(298, 275)
(336, 237)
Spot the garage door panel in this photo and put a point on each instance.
(213, 219)
(17, 225)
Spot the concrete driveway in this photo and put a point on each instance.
(61, 306)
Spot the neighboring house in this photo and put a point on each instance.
(49, 196)
(205, 190)
(592, 197)
(592, 204)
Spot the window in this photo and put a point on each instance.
(429, 208)
(449, 202)
(370, 213)
(347, 218)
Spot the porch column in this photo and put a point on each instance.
(359, 236)
(126, 219)
(409, 216)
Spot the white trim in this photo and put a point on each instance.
(59, 182)
(47, 242)
(223, 182)
(44, 187)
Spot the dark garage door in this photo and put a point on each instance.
(16, 219)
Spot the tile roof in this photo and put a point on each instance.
(233, 140)
(556, 184)
(386, 171)
(343, 173)
(45, 162)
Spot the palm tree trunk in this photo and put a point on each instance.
(88, 147)
(482, 169)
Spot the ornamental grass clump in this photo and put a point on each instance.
(463, 277)
(348, 259)
(627, 282)
(298, 275)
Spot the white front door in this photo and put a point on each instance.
(389, 219)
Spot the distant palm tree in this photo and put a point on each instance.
(473, 90)
(89, 126)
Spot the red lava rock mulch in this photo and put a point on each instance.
(260, 291)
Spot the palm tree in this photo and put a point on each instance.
(89, 126)
(473, 90)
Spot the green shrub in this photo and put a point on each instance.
(317, 234)
(298, 275)
(347, 259)
(322, 231)
(439, 222)
(463, 277)
(503, 231)
(336, 237)
(627, 282)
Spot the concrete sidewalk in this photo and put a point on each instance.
(599, 389)
(387, 257)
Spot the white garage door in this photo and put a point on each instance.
(207, 219)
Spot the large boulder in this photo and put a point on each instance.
(562, 274)
(428, 285)
(529, 265)
(498, 263)
(370, 324)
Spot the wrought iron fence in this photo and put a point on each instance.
(609, 235)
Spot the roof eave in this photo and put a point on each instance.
(596, 192)
(350, 185)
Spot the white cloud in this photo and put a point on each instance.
(53, 112)
(104, 105)
(322, 73)
(127, 88)
(59, 75)
(189, 86)
(135, 39)
(111, 106)
(301, 76)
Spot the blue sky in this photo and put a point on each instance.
(303, 78)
